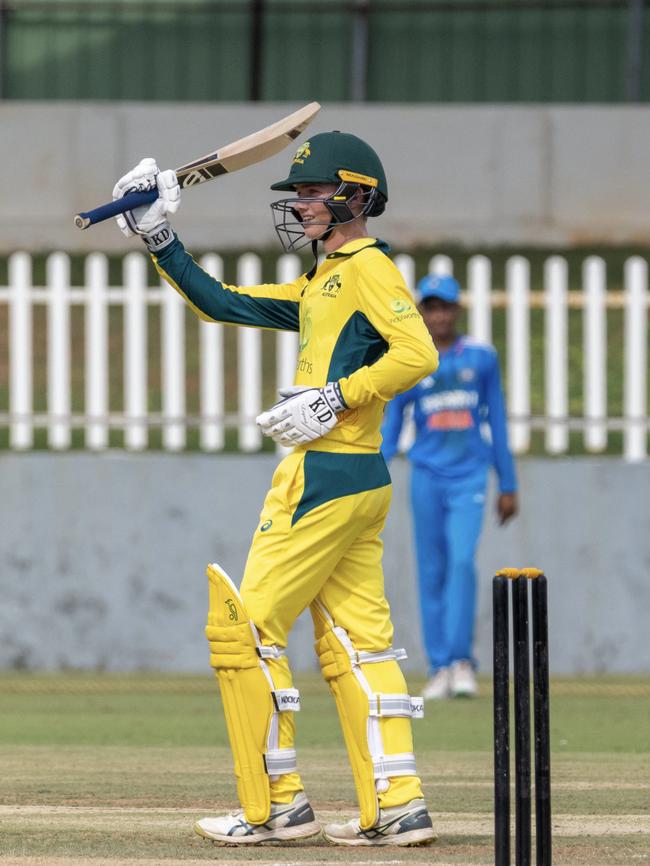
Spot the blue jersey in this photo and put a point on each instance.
(459, 415)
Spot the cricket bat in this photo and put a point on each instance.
(231, 157)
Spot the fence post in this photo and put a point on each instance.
(518, 351)
(21, 431)
(441, 265)
(58, 350)
(555, 354)
(287, 342)
(479, 275)
(135, 352)
(249, 354)
(636, 359)
(406, 266)
(211, 370)
(96, 352)
(594, 350)
(173, 369)
(288, 270)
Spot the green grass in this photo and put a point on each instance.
(605, 714)
(144, 755)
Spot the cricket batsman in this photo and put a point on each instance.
(318, 543)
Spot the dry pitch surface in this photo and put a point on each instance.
(113, 770)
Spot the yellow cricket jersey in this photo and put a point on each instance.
(357, 321)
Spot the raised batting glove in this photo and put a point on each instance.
(303, 415)
(149, 221)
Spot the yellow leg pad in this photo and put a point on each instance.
(396, 732)
(352, 707)
(251, 703)
(368, 689)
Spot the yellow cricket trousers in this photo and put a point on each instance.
(318, 540)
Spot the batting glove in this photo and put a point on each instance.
(303, 415)
(149, 221)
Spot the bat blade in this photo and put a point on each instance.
(249, 150)
(239, 154)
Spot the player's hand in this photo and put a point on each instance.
(148, 220)
(303, 415)
(507, 507)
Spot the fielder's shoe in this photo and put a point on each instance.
(409, 824)
(463, 680)
(287, 821)
(437, 688)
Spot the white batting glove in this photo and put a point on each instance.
(149, 221)
(303, 415)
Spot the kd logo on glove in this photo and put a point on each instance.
(321, 410)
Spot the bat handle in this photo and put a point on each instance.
(120, 205)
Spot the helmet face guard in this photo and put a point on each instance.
(289, 225)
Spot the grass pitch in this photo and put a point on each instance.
(114, 770)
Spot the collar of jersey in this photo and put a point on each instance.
(355, 246)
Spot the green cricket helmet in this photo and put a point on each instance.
(334, 158)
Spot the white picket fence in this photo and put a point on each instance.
(136, 420)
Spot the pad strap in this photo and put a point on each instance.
(280, 761)
(359, 657)
(396, 705)
(268, 652)
(287, 700)
(394, 765)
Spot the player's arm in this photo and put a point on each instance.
(392, 425)
(388, 306)
(507, 504)
(265, 306)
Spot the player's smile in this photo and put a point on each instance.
(314, 215)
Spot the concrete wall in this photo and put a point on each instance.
(102, 558)
(555, 175)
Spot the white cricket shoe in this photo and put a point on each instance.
(409, 824)
(438, 687)
(287, 821)
(463, 680)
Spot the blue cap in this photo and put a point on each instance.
(436, 286)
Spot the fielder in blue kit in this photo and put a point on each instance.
(460, 432)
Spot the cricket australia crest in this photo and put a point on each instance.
(332, 287)
(303, 152)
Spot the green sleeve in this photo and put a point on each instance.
(266, 306)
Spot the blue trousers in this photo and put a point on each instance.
(447, 519)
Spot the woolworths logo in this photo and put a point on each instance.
(399, 305)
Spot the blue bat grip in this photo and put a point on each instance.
(106, 211)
